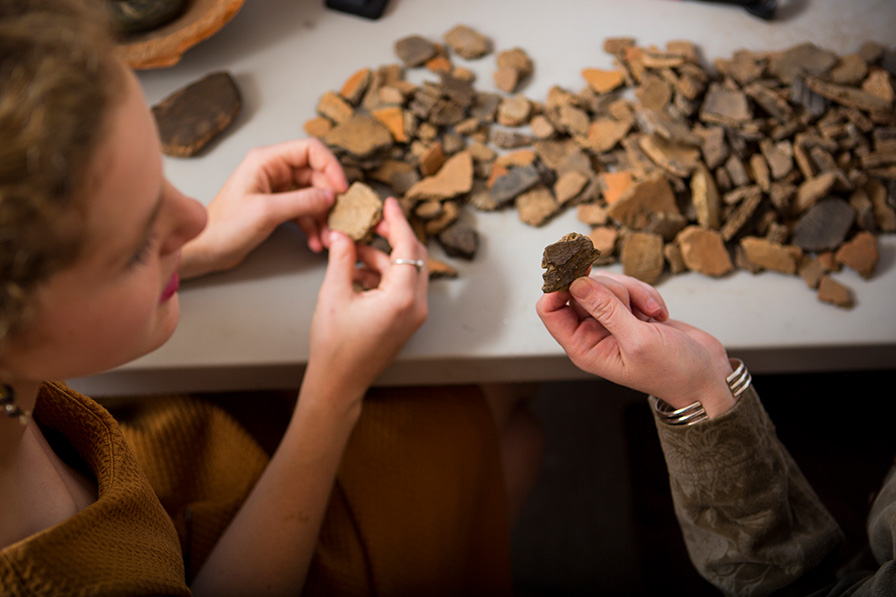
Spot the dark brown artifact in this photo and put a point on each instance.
(567, 259)
(192, 116)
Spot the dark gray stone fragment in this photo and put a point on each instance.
(825, 226)
(459, 240)
(517, 180)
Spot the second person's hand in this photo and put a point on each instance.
(617, 328)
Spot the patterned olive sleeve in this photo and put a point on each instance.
(750, 519)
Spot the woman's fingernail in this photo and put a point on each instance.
(580, 288)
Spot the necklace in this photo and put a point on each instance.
(9, 406)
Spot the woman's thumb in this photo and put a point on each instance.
(341, 261)
(602, 304)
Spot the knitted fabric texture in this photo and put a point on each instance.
(123, 544)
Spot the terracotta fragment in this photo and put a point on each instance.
(861, 254)
(705, 197)
(771, 255)
(356, 85)
(514, 111)
(806, 58)
(604, 239)
(653, 93)
(878, 84)
(614, 184)
(832, 291)
(467, 42)
(536, 206)
(672, 254)
(356, 212)
(714, 147)
(642, 256)
(811, 270)
(569, 185)
(566, 260)
(741, 215)
(601, 80)
(514, 66)
(414, 50)
(678, 160)
(431, 159)
(703, 250)
(454, 178)
(333, 107)
(592, 214)
(605, 133)
(317, 126)
(849, 96)
(393, 119)
(439, 269)
(651, 195)
(727, 107)
(191, 117)
(850, 70)
(362, 135)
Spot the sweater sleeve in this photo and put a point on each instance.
(751, 521)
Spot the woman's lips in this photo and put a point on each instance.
(170, 288)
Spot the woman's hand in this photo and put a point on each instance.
(290, 181)
(356, 334)
(617, 327)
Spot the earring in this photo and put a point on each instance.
(9, 406)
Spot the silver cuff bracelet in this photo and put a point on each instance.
(738, 381)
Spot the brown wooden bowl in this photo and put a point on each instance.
(164, 46)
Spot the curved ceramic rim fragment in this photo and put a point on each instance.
(164, 46)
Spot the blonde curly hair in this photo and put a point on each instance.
(59, 77)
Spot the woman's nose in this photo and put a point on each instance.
(187, 217)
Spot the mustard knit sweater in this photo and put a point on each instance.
(123, 544)
(418, 507)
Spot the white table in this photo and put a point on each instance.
(248, 328)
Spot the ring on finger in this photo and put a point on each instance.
(418, 263)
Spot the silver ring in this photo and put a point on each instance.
(418, 263)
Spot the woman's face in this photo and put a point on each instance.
(117, 301)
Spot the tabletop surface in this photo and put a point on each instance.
(248, 328)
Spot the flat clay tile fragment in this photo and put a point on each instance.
(861, 253)
(356, 212)
(361, 135)
(704, 251)
(414, 50)
(642, 256)
(467, 42)
(832, 291)
(192, 116)
(566, 260)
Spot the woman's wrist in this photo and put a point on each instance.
(716, 399)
